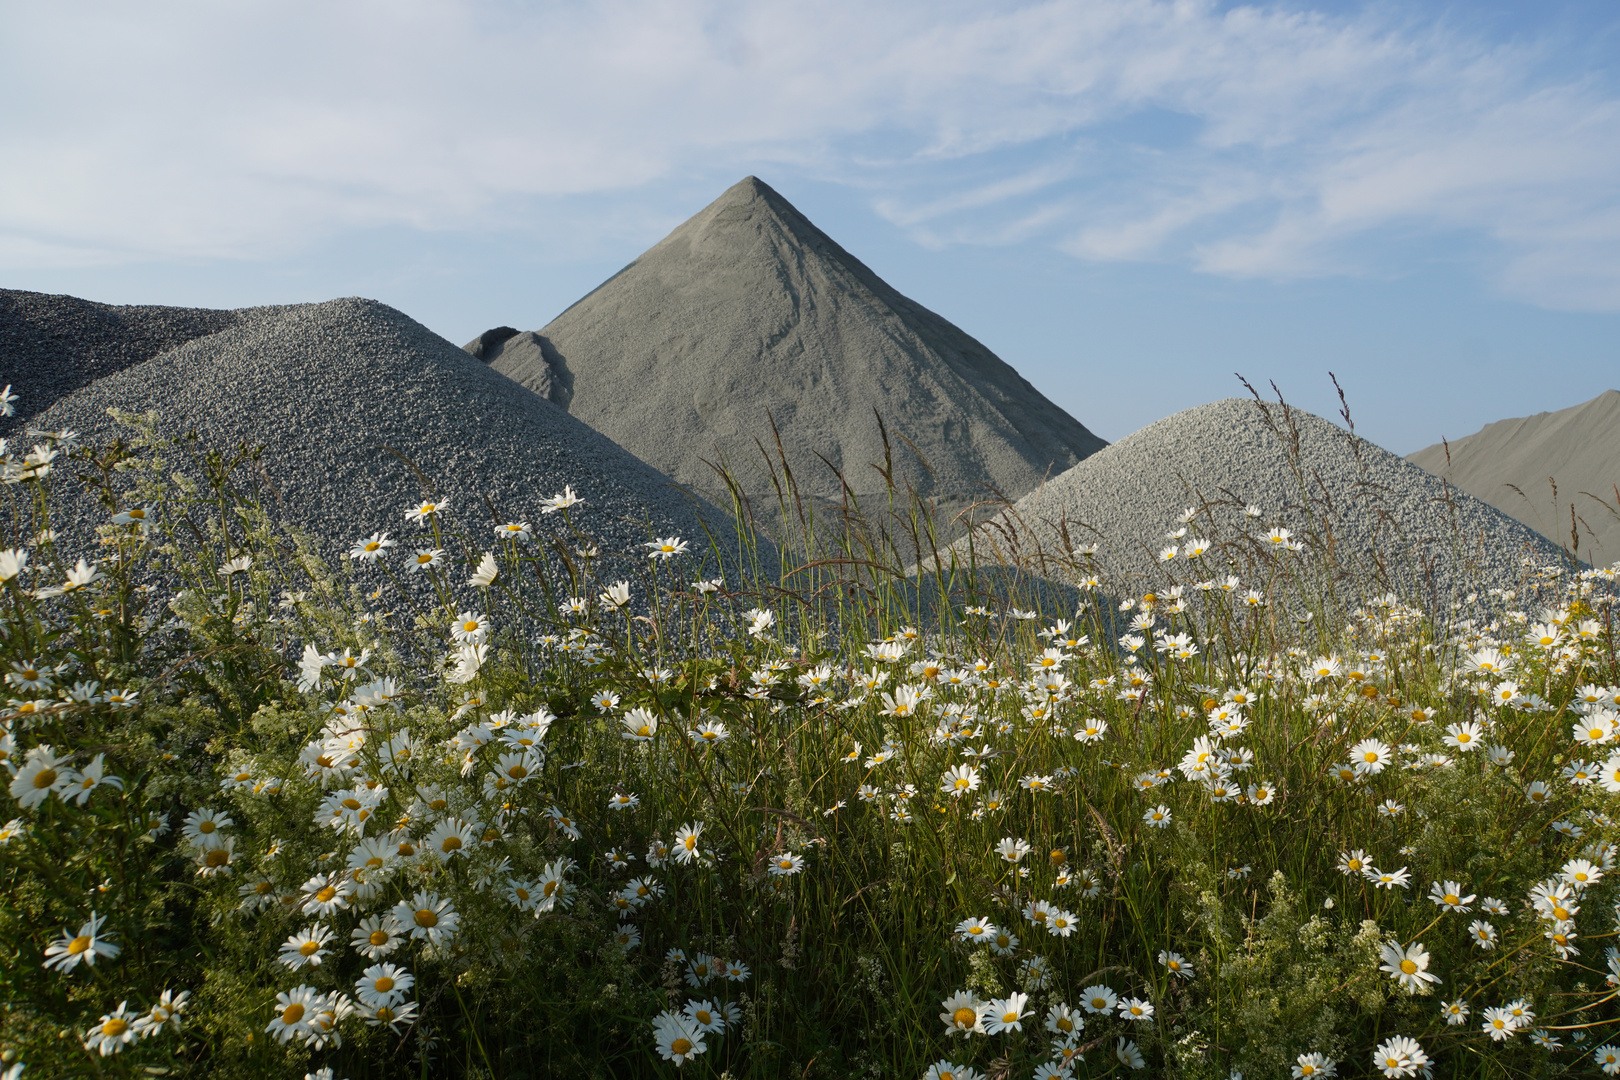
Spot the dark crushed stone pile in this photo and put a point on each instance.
(341, 394)
(52, 345)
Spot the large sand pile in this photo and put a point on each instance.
(1517, 465)
(1223, 457)
(341, 394)
(749, 313)
(52, 345)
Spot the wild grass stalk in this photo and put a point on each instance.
(521, 807)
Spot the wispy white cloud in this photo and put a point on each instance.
(188, 129)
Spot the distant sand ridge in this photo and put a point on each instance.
(1515, 464)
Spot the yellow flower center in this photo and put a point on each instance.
(450, 843)
(517, 772)
(325, 894)
(378, 937)
(1065, 1024)
(1453, 899)
(470, 625)
(78, 945)
(383, 985)
(681, 1046)
(1409, 967)
(114, 1026)
(310, 948)
(702, 1016)
(216, 858)
(44, 778)
(1369, 757)
(965, 1017)
(292, 1013)
(425, 917)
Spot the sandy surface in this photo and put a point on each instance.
(747, 314)
(1516, 466)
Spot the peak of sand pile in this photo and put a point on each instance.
(748, 313)
(51, 345)
(1226, 456)
(343, 394)
(1509, 463)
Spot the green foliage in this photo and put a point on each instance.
(484, 729)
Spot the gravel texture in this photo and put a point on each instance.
(1230, 454)
(1578, 448)
(748, 313)
(52, 345)
(338, 392)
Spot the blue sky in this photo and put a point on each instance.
(1128, 200)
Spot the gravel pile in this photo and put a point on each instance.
(52, 345)
(1223, 457)
(342, 394)
(1508, 464)
(748, 313)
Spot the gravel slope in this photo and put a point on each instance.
(1224, 456)
(1578, 447)
(51, 345)
(748, 312)
(330, 389)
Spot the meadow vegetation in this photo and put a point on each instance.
(473, 800)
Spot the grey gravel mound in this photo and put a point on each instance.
(1383, 519)
(748, 313)
(1509, 465)
(51, 345)
(340, 392)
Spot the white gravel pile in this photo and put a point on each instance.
(748, 313)
(1301, 472)
(1509, 464)
(342, 394)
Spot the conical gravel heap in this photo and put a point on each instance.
(748, 313)
(1299, 471)
(356, 405)
(51, 345)
(1509, 465)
